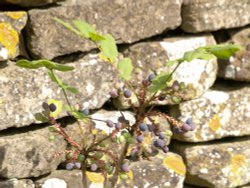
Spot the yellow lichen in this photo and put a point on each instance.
(95, 177)
(16, 15)
(214, 123)
(8, 38)
(237, 161)
(175, 163)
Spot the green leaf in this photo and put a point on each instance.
(84, 28)
(72, 90)
(43, 63)
(41, 117)
(28, 64)
(198, 53)
(79, 115)
(171, 63)
(160, 82)
(96, 37)
(125, 68)
(68, 26)
(108, 49)
(223, 51)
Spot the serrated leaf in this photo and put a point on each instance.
(68, 26)
(125, 68)
(108, 48)
(28, 64)
(41, 117)
(84, 28)
(199, 53)
(160, 82)
(43, 63)
(223, 51)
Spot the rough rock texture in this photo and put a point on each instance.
(162, 171)
(221, 112)
(217, 164)
(29, 3)
(14, 183)
(198, 75)
(238, 67)
(34, 154)
(126, 20)
(211, 15)
(62, 179)
(11, 24)
(25, 90)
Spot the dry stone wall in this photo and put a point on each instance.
(216, 154)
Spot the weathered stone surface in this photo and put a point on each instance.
(11, 24)
(162, 171)
(25, 90)
(127, 20)
(221, 112)
(29, 154)
(221, 165)
(28, 3)
(14, 183)
(198, 75)
(211, 15)
(238, 67)
(62, 179)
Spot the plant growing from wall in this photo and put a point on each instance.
(93, 154)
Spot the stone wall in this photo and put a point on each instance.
(216, 154)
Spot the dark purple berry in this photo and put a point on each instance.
(52, 107)
(125, 167)
(151, 77)
(143, 127)
(85, 111)
(145, 82)
(139, 138)
(162, 136)
(178, 131)
(93, 167)
(161, 98)
(78, 165)
(113, 94)
(45, 106)
(175, 86)
(127, 93)
(110, 123)
(134, 152)
(118, 125)
(151, 127)
(186, 127)
(189, 121)
(165, 149)
(159, 143)
(70, 166)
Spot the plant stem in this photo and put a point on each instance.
(68, 102)
(118, 166)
